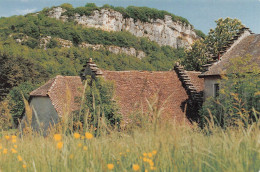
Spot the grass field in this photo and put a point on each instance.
(170, 147)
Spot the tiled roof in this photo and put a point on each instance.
(64, 92)
(134, 87)
(195, 80)
(250, 45)
(132, 90)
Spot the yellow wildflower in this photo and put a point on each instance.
(76, 135)
(110, 166)
(71, 156)
(145, 170)
(150, 155)
(88, 135)
(19, 158)
(257, 93)
(136, 167)
(145, 159)
(7, 137)
(57, 137)
(15, 146)
(1, 147)
(13, 150)
(144, 154)
(24, 166)
(59, 145)
(85, 148)
(127, 150)
(153, 168)
(13, 137)
(149, 160)
(154, 152)
(79, 145)
(5, 151)
(151, 163)
(14, 140)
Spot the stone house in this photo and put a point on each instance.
(51, 101)
(178, 93)
(243, 44)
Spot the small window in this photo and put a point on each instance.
(216, 90)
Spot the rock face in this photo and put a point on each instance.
(164, 32)
(113, 49)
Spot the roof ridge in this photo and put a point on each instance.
(240, 35)
(53, 83)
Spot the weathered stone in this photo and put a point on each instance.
(164, 32)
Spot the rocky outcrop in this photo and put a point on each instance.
(164, 32)
(113, 49)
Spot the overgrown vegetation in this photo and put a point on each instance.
(99, 104)
(205, 49)
(170, 147)
(239, 96)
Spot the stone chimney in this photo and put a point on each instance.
(90, 69)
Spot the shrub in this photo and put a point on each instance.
(239, 95)
(100, 104)
(200, 33)
(67, 6)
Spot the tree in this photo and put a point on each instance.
(196, 57)
(219, 37)
(204, 49)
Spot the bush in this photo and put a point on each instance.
(200, 33)
(67, 6)
(32, 43)
(238, 98)
(100, 104)
(15, 97)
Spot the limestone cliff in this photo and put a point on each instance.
(164, 32)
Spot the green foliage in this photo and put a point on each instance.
(219, 37)
(212, 44)
(15, 97)
(16, 69)
(52, 44)
(196, 57)
(31, 42)
(239, 95)
(66, 6)
(91, 5)
(42, 26)
(99, 102)
(200, 33)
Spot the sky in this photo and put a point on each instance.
(202, 14)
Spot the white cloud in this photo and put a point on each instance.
(26, 11)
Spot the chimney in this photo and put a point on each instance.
(90, 69)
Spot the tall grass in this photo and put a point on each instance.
(172, 147)
(155, 145)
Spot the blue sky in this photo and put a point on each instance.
(200, 13)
